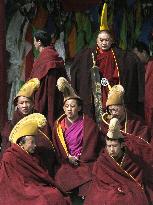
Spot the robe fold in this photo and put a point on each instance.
(130, 182)
(23, 181)
(69, 176)
(135, 125)
(48, 67)
(131, 77)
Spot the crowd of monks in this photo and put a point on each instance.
(55, 147)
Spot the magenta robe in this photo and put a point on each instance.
(130, 182)
(69, 176)
(23, 181)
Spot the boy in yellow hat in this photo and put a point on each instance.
(22, 179)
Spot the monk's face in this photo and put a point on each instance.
(36, 43)
(29, 144)
(71, 109)
(114, 148)
(104, 41)
(24, 105)
(117, 111)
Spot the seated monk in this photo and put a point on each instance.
(22, 180)
(75, 138)
(123, 172)
(24, 105)
(130, 122)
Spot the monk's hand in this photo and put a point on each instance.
(73, 160)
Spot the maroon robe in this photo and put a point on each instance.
(48, 67)
(149, 93)
(135, 126)
(129, 182)
(23, 181)
(68, 176)
(44, 149)
(131, 76)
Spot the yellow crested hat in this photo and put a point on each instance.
(115, 96)
(103, 19)
(67, 90)
(29, 125)
(28, 89)
(114, 129)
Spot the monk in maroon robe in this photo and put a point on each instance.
(116, 66)
(129, 122)
(22, 179)
(123, 173)
(76, 142)
(48, 67)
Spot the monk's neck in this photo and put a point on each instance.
(72, 120)
(41, 49)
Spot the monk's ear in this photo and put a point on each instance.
(39, 43)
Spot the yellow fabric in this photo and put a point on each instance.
(61, 136)
(103, 22)
(29, 125)
(28, 88)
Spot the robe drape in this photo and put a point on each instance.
(68, 176)
(130, 182)
(48, 67)
(23, 181)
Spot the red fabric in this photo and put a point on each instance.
(3, 70)
(45, 152)
(149, 93)
(135, 126)
(69, 176)
(113, 186)
(23, 181)
(48, 68)
(47, 60)
(108, 69)
(75, 5)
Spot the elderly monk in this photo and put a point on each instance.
(130, 123)
(24, 105)
(123, 172)
(22, 180)
(48, 67)
(75, 138)
(115, 65)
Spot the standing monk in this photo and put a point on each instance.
(115, 66)
(123, 172)
(76, 140)
(22, 180)
(48, 67)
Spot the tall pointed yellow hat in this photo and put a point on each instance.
(103, 20)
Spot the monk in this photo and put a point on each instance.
(48, 67)
(22, 180)
(75, 138)
(130, 122)
(123, 173)
(24, 105)
(114, 66)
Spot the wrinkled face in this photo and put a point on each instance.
(104, 41)
(24, 105)
(117, 111)
(71, 109)
(114, 148)
(29, 144)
